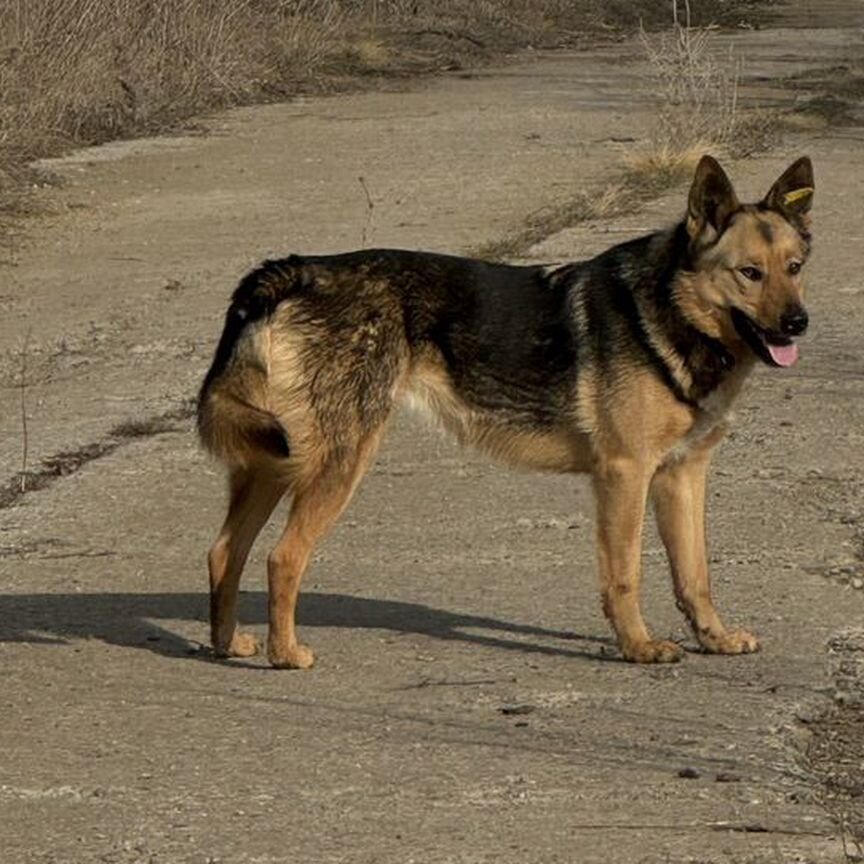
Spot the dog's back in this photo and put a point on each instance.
(315, 350)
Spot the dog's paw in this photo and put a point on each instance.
(241, 645)
(297, 657)
(654, 651)
(729, 642)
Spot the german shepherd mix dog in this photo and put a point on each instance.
(624, 366)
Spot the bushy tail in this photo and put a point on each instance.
(238, 432)
(233, 421)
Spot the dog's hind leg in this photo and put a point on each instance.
(621, 489)
(254, 493)
(318, 502)
(678, 492)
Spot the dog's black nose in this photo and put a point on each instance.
(794, 323)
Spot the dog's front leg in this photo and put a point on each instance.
(678, 493)
(621, 488)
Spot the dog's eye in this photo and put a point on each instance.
(795, 268)
(754, 274)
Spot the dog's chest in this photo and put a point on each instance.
(712, 419)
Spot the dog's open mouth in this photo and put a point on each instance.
(770, 347)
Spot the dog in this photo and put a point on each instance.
(624, 367)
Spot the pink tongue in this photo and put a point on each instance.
(784, 355)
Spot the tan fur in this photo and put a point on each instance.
(429, 389)
(678, 493)
(712, 420)
(317, 504)
(239, 400)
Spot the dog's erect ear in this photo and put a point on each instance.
(793, 192)
(712, 199)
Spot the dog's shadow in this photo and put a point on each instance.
(133, 620)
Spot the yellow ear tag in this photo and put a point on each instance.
(797, 194)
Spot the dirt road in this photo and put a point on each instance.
(467, 705)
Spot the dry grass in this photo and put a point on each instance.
(835, 752)
(67, 462)
(88, 71)
(663, 167)
(614, 199)
(82, 72)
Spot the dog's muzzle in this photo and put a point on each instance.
(772, 347)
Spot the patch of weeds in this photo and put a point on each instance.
(831, 96)
(68, 462)
(53, 467)
(146, 427)
(834, 759)
(614, 199)
(830, 110)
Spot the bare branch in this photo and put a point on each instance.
(366, 234)
(22, 384)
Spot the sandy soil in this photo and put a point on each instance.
(468, 705)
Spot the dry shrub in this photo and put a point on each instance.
(699, 110)
(84, 71)
(87, 71)
(698, 90)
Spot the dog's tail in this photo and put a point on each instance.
(234, 422)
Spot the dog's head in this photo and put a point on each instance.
(748, 259)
